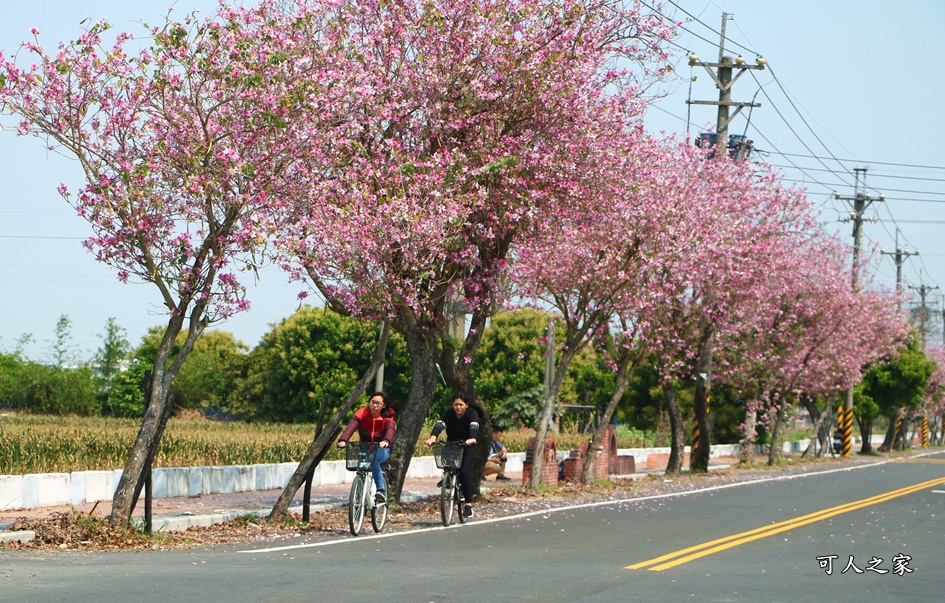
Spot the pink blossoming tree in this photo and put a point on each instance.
(806, 335)
(461, 136)
(187, 145)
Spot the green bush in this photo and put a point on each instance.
(40, 389)
(125, 395)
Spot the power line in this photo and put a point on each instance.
(909, 165)
(875, 175)
(42, 237)
(709, 27)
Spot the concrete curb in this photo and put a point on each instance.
(183, 521)
(41, 490)
(80, 487)
(179, 522)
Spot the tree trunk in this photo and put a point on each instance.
(774, 451)
(458, 376)
(677, 450)
(889, 440)
(593, 449)
(866, 433)
(155, 416)
(747, 453)
(325, 436)
(821, 429)
(421, 344)
(571, 348)
(699, 457)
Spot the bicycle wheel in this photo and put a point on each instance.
(447, 498)
(356, 504)
(460, 501)
(378, 515)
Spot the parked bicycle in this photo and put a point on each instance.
(360, 458)
(449, 458)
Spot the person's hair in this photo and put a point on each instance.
(387, 411)
(459, 396)
(497, 428)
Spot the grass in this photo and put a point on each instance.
(44, 444)
(49, 444)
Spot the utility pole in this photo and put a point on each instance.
(860, 202)
(550, 362)
(724, 81)
(699, 451)
(923, 290)
(943, 320)
(900, 256)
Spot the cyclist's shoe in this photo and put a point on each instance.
(468, 511)
(380, 497)
(439, 484)
(502, 478)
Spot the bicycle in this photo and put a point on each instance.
(360, 457)
(449, 458)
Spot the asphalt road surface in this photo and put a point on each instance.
(869, 533)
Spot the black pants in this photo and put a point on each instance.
(466, 472)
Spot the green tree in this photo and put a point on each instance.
(42, 389)
(10, 381)
(520, 409)
(313, 356)
(125, 397)
(511, 357)
(866, 410)
(211, 372)
(511, 365)
(111, 357)
(61, 350)
(898, 384)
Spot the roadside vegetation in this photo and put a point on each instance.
(239, 406)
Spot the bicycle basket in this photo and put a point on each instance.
(448, 455)
(359, 456)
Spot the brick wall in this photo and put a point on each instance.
(657, 461)
(549, 466)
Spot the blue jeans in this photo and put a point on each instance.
(382, 456)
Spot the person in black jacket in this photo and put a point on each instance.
(461, 423)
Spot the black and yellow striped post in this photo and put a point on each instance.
(897, 438)
(694, 441)
(925, 432)
(840, 415)
(845, 426)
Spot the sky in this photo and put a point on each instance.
(847, 85)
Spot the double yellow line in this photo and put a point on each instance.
(658, 564)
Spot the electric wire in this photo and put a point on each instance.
(844, 172)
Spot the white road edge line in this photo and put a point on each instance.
(353, 539)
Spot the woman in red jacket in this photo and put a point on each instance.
(375, 424)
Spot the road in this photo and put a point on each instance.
(772, 540)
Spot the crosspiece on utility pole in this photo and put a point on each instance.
(724, 81)
(860, 202)
(899, 256)
(923, 290)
